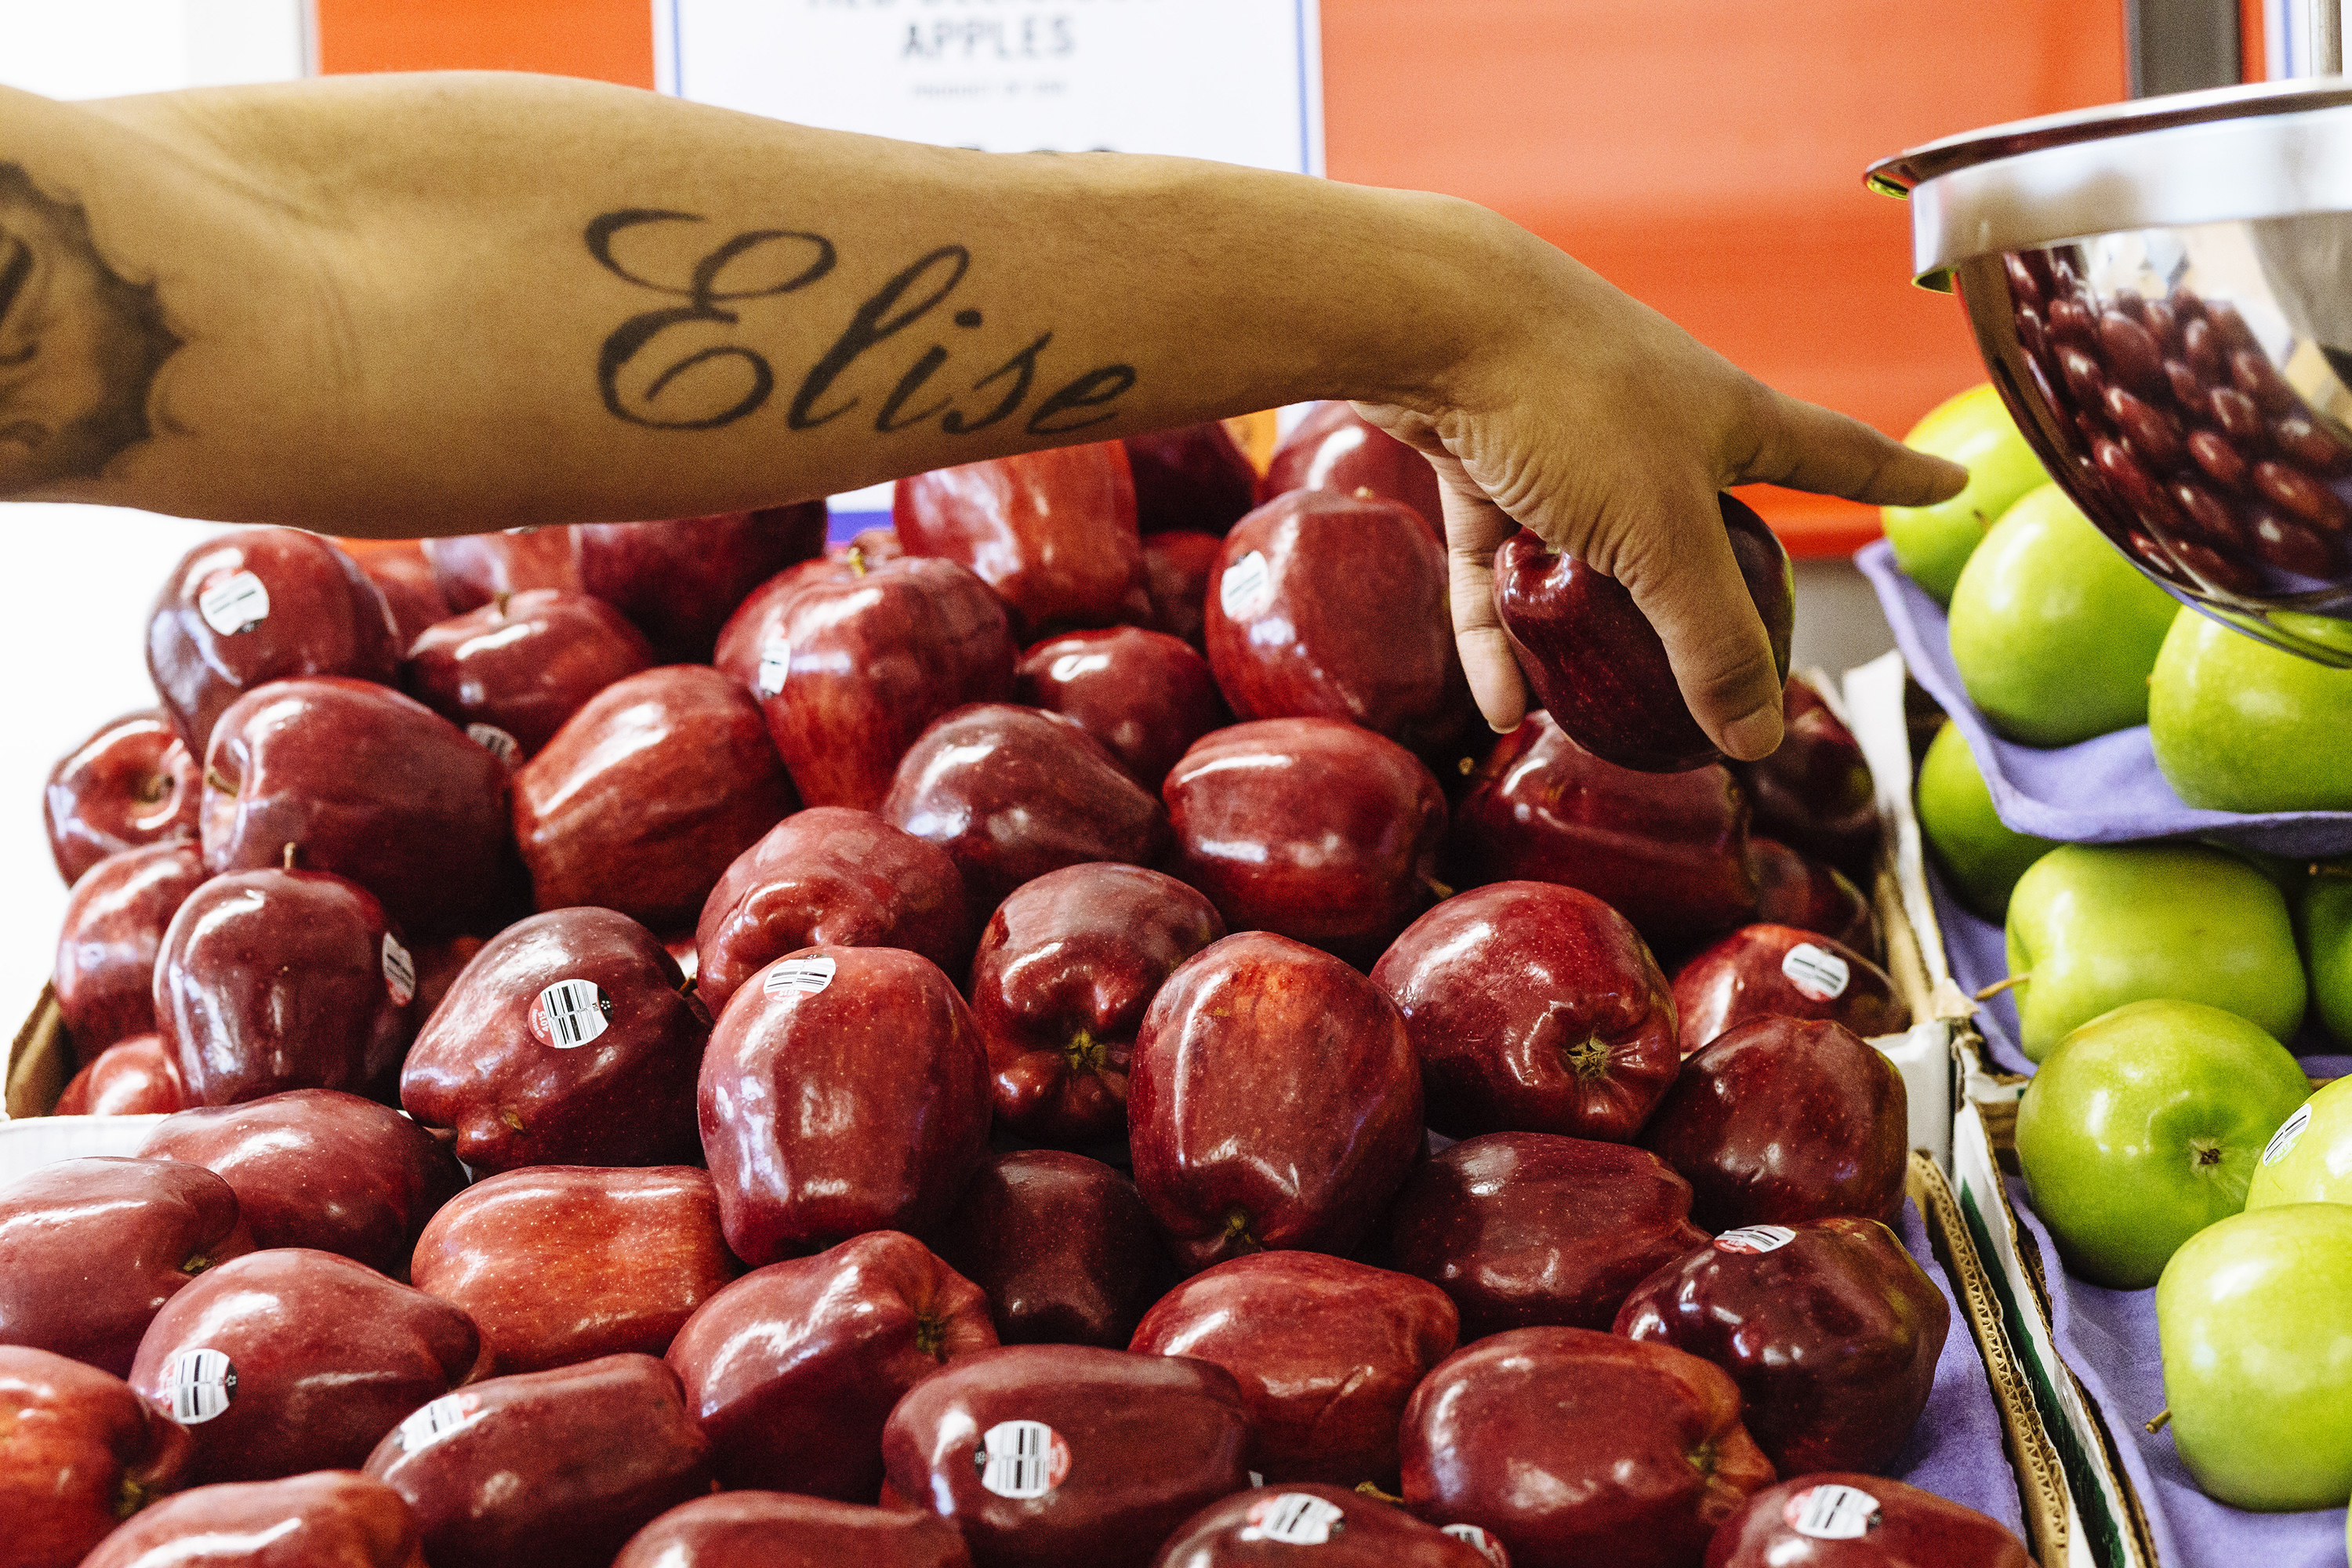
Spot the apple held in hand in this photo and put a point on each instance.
(679, 580)
(1815, 792)
(1775, 971)
(1335, 448)
(522, 664)
(2144, 1127)
(1979, 854)
(1346, 1528)
(1062, 1245)
(332, 1517)
(1145, 695)
(1791, 891)
(136, 1076)
(2309, 1159)
(131, 784)
(104, 979)
(1193, 477)
(1053, 533)
(1844, 1519)
(1177, 571)
(777, 1530)
(82, 1453)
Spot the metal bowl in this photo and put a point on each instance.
(2162, 293)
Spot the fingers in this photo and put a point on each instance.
(1475, 529)
(1693, 594)
(1809, 447)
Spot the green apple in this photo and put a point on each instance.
(2324, 927)
(1982, 856)
(2309, 1159)
(2093, 926)
(2254, 1316)
(2239, 726)
(2054, 632)
(1933, 542)
(2144, 1127)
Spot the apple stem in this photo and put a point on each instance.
(2338, 870)
(686, 987)
(215, 779)
(1440, 889)
(1998, 986)
(2163, 1419)
(499, 603)
(128, 1498)
(856, 559)
(1237, 1231)
(196, 1265)
(1367, 1489)
(288, 856)
(154, 789)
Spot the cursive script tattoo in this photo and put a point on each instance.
(80, 345)
(684, 366)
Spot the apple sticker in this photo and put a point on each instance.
(1246, 588)
(775, 663)
(199, 1385)
(450, 1413)
(1292, 1518)
(2283, 1141)
(799, 976)
(495, 741)
(1022, 1459)
(399, 972)
(1490, 1547)
(569, 1014)
(1818, 975)
(235, 604)
(1754, 1238)
(1831, 1511)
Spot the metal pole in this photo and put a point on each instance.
(2180, 46)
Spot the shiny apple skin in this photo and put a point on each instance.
(274, 979)
(1065, 970)
(104, 979)
(411, 592)
(778, 1530)
(367, 783)
(326, 617)
(1312, 829)
(680, 579)
(624, 1098)
(877, 650)
(1145, 695)
(863, 1106)
(329, 1356)
(1013, 792)
(562, 1263)
(1063, 1246)
(557, 1470)
(1741, 979)
(1535, 1230)
(647, 793)
(1150, 1440)
(1816, 792)
(83, 1453)
(1192, 479)
(1780, 1120)
(136, 1076)
(131, 784)
(1595, 663)
(830, 876)
(1274, 1102)
(525, 666)
(1533, 1008)
(1578, 1448)
(1911, 1529)
(1053, 533)
(1325, 1353)
(91, 1249)
(475, 568)
(1369, 1534)
(1335, 448)
(333, 1518)
(791, 1370)
(1832, 1338)
(1812, 895)
(1668, 851)
(316, 1168)
(1177, 570)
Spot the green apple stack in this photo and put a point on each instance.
(2309, 1159)
(2238, 725)
(1931, 543)
(1981, 854)
(2324, 929)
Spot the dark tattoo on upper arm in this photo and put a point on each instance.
(79, 345)
(649, 374)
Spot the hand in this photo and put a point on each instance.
(1607, 429)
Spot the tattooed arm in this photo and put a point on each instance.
(405, 305)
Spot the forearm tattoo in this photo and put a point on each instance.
(682, 367)
(80, 345)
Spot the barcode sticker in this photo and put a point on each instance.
(450, 1413)
(495, 741)
(1293, 1519)
(1246, 588)
(235, 603)
(1831, 1511)
(799, 977)
(2283, 1140)
(199, 1385)
(1490, 1547)
(399, 972)
(775, 663)
(1818, 975)
(1022, 1459)
(1754, 1238)
(570, 1013)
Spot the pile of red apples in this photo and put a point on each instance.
(1049, 1035)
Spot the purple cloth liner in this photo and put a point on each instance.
(1955, 1450)
(2104, 791)
(842, 525)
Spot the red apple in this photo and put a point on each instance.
(1177, 570)
(546, 1469)
(1849, 1520)
(257, 604)
(1533, 1008)
(1145, 695)
(776, 1530)
(830, 876)
(330, 1520)
(315, 1168)
(411, 591)
(438, 964)
(1065, 970)
(679, 580)
(475, 568)
(1770, 970)
(1830, 1328)
(1815, 792)
(1194, 477)
(1325, 1353)
(1335, 448)
(82, 1453)
(1011, 793)
(1780, 1120)
(1309, 827)
(1062, 1245)
(1531, 1229)
(131, 784)
(850, 659)
(1813, 896)
(521, 665)
(558, 1264)
(1068, 1454)
(844, 1089)
(1053, 533)
(295, 1360)
(1274, 1101)
(791, 1370)
(116, 916)
(90, 1249)
(570, 1039)
(647, 794)
(1346, 1529)
(1576, 1448)
(136, 1076)
(1597, 665)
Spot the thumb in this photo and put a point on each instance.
(1699, 605)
